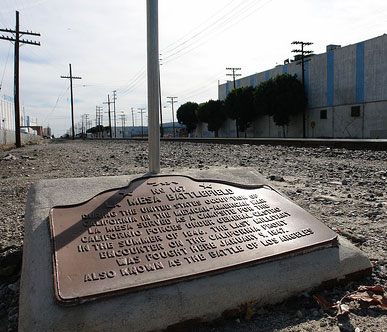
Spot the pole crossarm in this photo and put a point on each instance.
(73, 77)
(30, 33)
(24, 41)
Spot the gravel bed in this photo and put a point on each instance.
(345, 189)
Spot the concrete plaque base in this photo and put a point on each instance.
(203, 298)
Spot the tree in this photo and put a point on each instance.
(239, 105)
(187, 115)
(213, 113)
(280, 97)
(291, 98)
(96, 129)
(264, 94)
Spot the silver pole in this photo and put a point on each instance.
(153, 86)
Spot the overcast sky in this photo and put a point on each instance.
(105, 41)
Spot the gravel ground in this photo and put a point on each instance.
(345, 189)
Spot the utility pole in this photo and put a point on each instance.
(172, 101)
(114, 112)
(110, 120)
(83, 124)
(16, 34)
(234, 74)
(98, 119)
(123, 118)
(86, 118)
(142, 127)
(71, 77)
(132, 118)
(301, 52)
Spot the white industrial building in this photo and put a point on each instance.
(346, 89)
(7, 123)
(7, 113)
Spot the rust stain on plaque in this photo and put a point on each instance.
(166, 228)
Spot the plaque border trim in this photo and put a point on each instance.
(82, 299)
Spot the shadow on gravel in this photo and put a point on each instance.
(10, 261)
(10, 266)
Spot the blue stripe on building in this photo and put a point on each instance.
(238, 83)
(227, 88)
(267, 75)
(360, 72)
(285, 69)
(252, 83)
(330, 77)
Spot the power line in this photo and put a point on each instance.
(167, 48)
(140, 74)
(56, 104)
(211, 26)
(219, 26)
(5, 67)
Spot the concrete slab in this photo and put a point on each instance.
(204, 298)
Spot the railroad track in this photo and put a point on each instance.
(353, 144)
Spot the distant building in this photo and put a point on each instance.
(130, 131)
(7, 113)
(346, 89)
(47, 132)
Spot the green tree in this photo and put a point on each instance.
(95, 129)
(187, 115)
(239, 106)
(213, 113)
(264, 94)
(280, 97)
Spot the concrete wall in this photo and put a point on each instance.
(202, 131)
(8, 137)
(371, 123)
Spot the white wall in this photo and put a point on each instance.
(8, 137)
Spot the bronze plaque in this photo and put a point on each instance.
(166, 228)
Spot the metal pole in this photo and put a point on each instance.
(303, 85)
(173, 121)
(16, 85)
(153, 86)
(114, 104)
(110, 119)
(72, 101)
(161, 109)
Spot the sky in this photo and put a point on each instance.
(105, 41)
